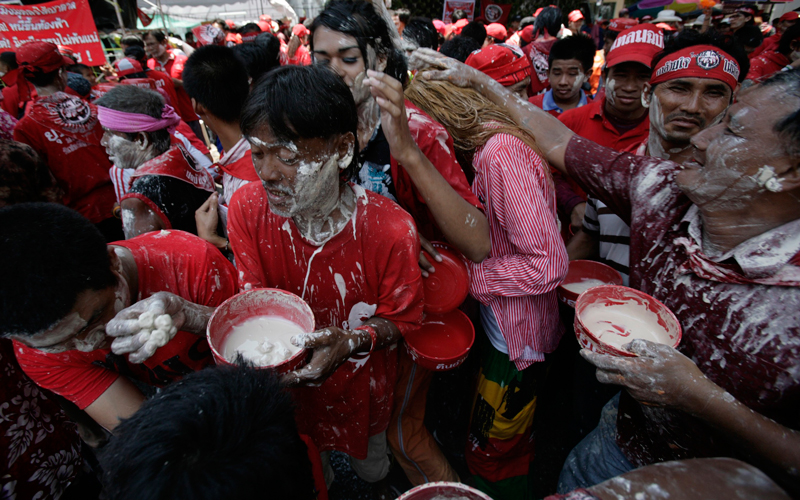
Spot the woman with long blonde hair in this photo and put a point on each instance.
(515, 284)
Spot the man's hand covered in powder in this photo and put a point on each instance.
(331, 347)
(658, 375)
(445, 68)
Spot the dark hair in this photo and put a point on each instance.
(460, 47)
(250, 28)
(157, 34)
(577, 46)
(476, 31)
(137, 53)
(133, 41)
(24, 177)
(790, 35)
(302, 102)
(260, 56)
(749, 36)
(458, 15)
(77, 68)
(222, 432)
(134, 99)
(403, 15)
(10, 58)
(789, 126)
(215, 78)
(688, 38)
(50, 254)
(79, 84)
(40, 79)
(550, 20)
(422, 31)
(357, 18)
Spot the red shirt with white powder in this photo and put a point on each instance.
(368, 269)
(528, 259)
(740, 311)
(66, 134)
(166, 261)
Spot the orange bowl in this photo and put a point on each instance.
(609, 316)
(252, 304)
(582, 270)
(442, 342)
(443, 489)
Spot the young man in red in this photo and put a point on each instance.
(569, 66)
(785, 55)
(63, 347)
(64, 130)
(618, 119)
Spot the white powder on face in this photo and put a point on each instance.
(611, 94)
(128, 154)
(619, 324)
(583, 285)
(264, 340)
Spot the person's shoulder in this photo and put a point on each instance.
(537, 100)
(419, 121)
(379, 213)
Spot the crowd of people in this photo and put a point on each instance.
(324, 159)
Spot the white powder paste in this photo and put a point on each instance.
(448, 497)
(264, 341)
(583, 285)
(619, 324)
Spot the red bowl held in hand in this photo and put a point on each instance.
(444, 490)
(252, 304)
(587, 272)
(610, 316)
(447, 287)
(442, 342)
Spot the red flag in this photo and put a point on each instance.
(496, 12)
(143, 17)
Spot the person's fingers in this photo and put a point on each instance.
(422, 58)
(130, 343)
(388, 106)
(311, 340)
(605, 361)
(122, 327)
(605, 377)
(208, 205)
(648, 349)
(425, 264)
(313, 371)
(428, 247)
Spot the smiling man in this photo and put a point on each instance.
(61, 286)
(715, 240)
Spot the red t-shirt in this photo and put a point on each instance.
(537, 101)
(744, 337)
(64, 130)
(173, 67)
(369, 269)
(766, 64)
(167, 261)
(437, 145)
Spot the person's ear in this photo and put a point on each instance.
(142, 140)
(380, 64)
(198, 108)
(346, 145)
(113, 257)
(790, 178)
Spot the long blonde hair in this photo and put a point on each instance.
(470, 118)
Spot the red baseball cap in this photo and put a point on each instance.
(441, 28)
(497, 31)
(506, 64)
(526, 35)
(41, 57)
(300, 30)
(789, 16)
(637, 44)
(620, 24)
(746, 9)
(230, 24)
(575, 15)
(127, 66)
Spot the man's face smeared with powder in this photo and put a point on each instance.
(681, 108)
(300, 176)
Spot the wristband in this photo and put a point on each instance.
(373, 336)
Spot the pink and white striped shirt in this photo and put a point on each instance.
(528, 259)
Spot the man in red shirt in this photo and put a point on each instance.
(84, 283)
(618, 119)
(785, 54)
(569, 66)
(716, 241)
(165, 61)
(64, 130)
(785, 22)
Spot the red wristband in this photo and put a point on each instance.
(372, 334)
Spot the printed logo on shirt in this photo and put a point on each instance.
(708, 59)
(376, 178)
(73, 112)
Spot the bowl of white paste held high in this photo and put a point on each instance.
(444, 491)
(583, 275)
(258, 325)
(608, 317)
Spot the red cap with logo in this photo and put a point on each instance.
(575, 16)
(698, 61)
(506, 64)
(620, 24)
(497, 31)
(638, 44)
(127, 66)
(40, 57)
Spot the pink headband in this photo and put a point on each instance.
(120, 121)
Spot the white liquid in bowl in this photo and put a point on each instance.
(264, 340)
(581, 286)
(619, 324)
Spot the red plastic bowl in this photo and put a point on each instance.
(447, 287)
(580, 270)
(443, 489)
(251, 304)
(613, 295)
(442, 342)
